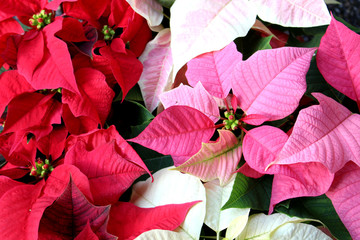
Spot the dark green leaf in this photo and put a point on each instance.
(250, 193)
(156, 164)
(316, 83)
(2, 69)
(319, 208)
(166, 3)
(133, 95)
(136, 130)
(263, 43)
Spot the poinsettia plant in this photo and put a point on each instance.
(163, 119)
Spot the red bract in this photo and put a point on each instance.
(97, 138)
(128, 221)
(124, 65)
(33, 207)
(109, 174)
(10, 25)
(87, 10)
(53, 144)
(13, 84)
(18, 151)
(70, 213)
(95, 99)
(31, 113)
(17, 207)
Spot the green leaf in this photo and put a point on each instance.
(2, 69)
(316, 83)
(155, 164)
(319, 208)
(250, 193)
(166, 3)
(136, 130)
(128, 114)
(263, 43)
(251, 43)
(133, 95)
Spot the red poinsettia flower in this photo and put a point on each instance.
(51, 66)
(124, 35)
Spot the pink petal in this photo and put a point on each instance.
(262, 145)
(157, 61)
(178, 130)
(203, 26)
(254, 119)
(272, 82)
(214, 70)
(344, 194)
(215, 160)
(338, 57)
(197, 98)
(327, 133)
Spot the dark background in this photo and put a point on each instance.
(349, 10)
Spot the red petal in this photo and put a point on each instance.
(72, 31)
(87, 234)
(138, 34)
(10, 25)
(17, 150)
(54, 143)
(13, 171)
(98, 138)
(121, 13)
(31, 47)
(7, 184)
(17, 207)
(12, 84)
(70, 213)
(90, 10)
(128, 221)
(58, 180)
(77, 125)
(21, 8)
(96, 96)
(109, 174)
(8, 49)
(125, 67)
(32, 112)
(60, 57)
